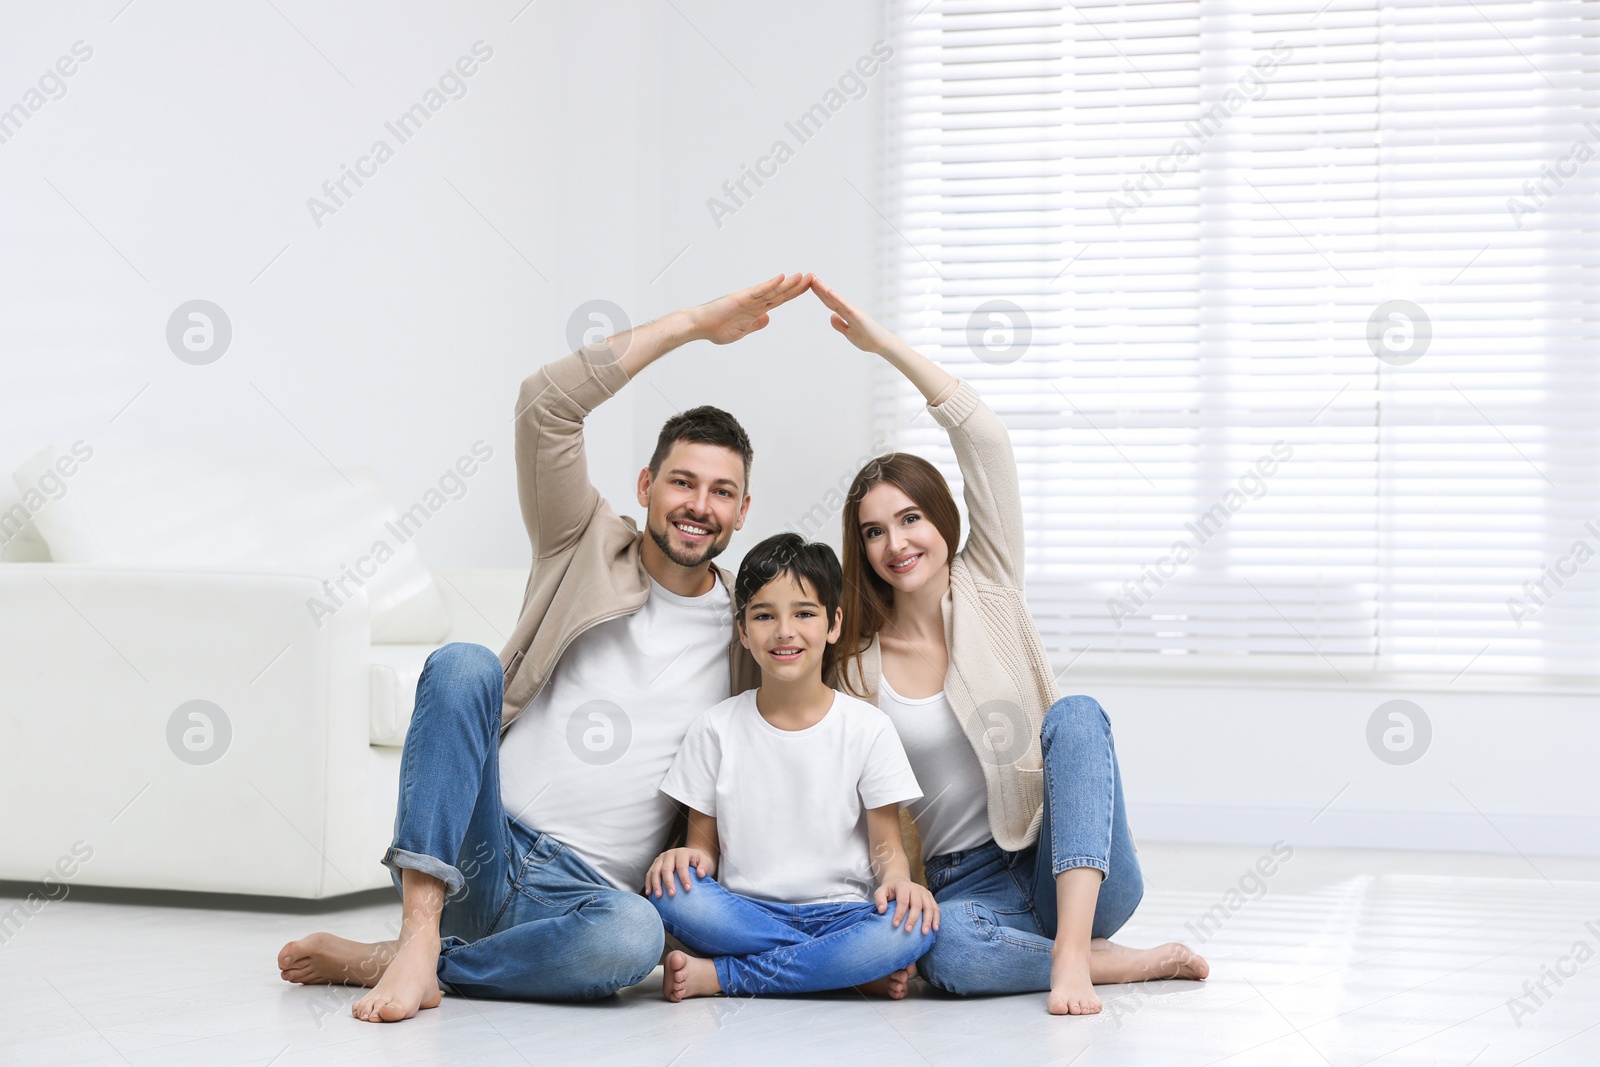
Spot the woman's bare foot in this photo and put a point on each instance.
(1071, 984)
(410, 983)
(1112, 964)
(894, 986)
(1073, 977)
(323, 959)
(686, 976)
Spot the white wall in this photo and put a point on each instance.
(395, 334)
(1509, 766)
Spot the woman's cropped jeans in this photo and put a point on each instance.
(997, 909)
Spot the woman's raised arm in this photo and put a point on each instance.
(981, 442)
(931, 380)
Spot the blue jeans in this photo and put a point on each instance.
(524, 917)
(997, 909)
(761, 946)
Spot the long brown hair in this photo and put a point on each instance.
(867, 597)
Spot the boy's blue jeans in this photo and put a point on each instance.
(765, 947)
(524, 917)
(997, 909)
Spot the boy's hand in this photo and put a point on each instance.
(677, 861)
(913, 900)
(730, 317)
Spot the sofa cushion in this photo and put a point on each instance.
(395, 670)
(144, 505)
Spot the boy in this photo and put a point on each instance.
(793, 793)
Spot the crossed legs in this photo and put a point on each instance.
(761, 947)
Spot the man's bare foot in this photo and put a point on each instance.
(323, 959)
(409, 983)
(686, 976)
(1111, 963)
(894, 986)
(1071, 984)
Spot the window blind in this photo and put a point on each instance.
(1291, 308)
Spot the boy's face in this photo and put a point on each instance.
(696, 501)
(786, 628)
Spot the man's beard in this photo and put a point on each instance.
(663, 541)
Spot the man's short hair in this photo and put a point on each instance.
(706, 425)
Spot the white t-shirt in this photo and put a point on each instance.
(955, 817)
(584, 761)
(791, 805)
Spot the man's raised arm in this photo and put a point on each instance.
(553, 483)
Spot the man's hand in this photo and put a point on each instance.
(730, 317)
(911, 900)
(720, 321)
(677, 861)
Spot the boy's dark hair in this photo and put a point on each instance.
(810, 563)
(707, 425)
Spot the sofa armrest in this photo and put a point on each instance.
(272, 797)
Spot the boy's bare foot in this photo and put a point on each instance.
(409, 983)
(686, 976)
(894, 986)
(323, 959)
(1071, 984)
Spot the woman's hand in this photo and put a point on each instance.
(857, 327)
(728, 318)
(911, 899)
(934, 383)
(678, 860)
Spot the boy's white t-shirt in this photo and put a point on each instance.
(584, 761)
(791, 805)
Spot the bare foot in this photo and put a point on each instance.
(1071, 984)
(894, 986)
(409, 983)
(323, 959)
(1111, 963)
(1073, 977)
(686, 976)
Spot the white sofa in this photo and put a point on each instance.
(289, 791)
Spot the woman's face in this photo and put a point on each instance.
(901, 545)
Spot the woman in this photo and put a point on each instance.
(1025, 839)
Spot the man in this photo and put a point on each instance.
(529, 807)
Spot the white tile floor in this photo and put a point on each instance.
(1347, 958)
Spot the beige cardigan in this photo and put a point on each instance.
(998, 683)
(587, 564)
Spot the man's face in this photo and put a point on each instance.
(695, 502)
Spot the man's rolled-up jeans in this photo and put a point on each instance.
(524, 917)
